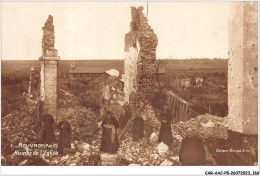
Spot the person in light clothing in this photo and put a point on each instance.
(109, 141)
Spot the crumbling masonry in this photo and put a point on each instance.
(49, 61)
(140, 69)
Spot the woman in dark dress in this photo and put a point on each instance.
(138, 129)
(165, 135)
(48, 130)
(109, 141)
(64, 137)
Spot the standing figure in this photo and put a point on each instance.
(165, 135)
(48, 130)
(192, 151)
(109, 141)
(138, 128)
(64, 136)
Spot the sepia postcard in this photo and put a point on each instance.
(130, 84)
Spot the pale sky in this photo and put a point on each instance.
(96, 30)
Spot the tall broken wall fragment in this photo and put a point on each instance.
(143, 76)
(130, 66)
(243, 68)
(48, 38)
(33, 83)
(49, 68)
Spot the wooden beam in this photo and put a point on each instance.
(181, 112)
(129, 121)
(174, 107)
(180, 99)
(177, 110)
(186, 112)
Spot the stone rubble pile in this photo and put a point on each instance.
(203, 126)
(143, 153)
(83, 121)
(18, 127)
(82, 155)
(81, 117)
(15, 125)
(67, 100)
(146, 152)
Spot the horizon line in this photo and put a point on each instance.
(114, 59)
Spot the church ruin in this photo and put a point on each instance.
(140, 56)
(49, 68)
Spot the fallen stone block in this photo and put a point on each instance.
(86, 153)
(64, 158)
(170, 161)
(178, 137)
(166, 163)
(107, 157)
(23, 162)
(209, 124)
(83, 146)
(53, 163)
(107, 164)
(153, 137)
(162, 148)
(76, 142)
(73, 164)
(154, 157)
(133, 164)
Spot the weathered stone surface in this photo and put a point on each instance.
(130, 73)
(48, 38)
(242, 70)
(49, 70)
(50, 80)
(153, 137)
(108, 159)
(162, 148)
(141, 34)
(42, 90)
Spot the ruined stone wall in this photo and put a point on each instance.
(142, 34)
(42, 92)
(48, 35)
(50, 75)
(243, 68)
(33, 83)
(49, 69)
(130, 66)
